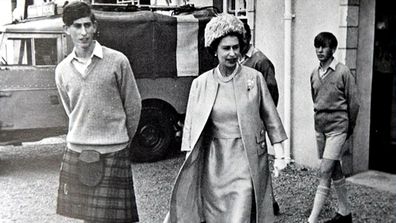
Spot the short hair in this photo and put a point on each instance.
(213, 46)
(325, 39)
(248, 34)
(76, 10)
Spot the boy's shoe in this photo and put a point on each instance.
(338, 218)
(276, 208)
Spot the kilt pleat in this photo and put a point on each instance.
(113, 200)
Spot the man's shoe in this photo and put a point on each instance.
(275, 206)
(338, 218)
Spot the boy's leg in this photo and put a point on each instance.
(340, 188)
(336, 143)
(326, 170)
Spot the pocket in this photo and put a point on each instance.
(90, 168)
(261, 142)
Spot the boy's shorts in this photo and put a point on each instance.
(330, 145)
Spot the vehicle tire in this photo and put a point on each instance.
(154, 135)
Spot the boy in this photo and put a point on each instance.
(101, 98)
(334, 93)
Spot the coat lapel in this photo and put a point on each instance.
(206, 100)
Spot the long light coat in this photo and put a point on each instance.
(256, 114)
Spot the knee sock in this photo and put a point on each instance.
(320, 198)
(343, 202)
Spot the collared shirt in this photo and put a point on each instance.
(82, 64)
(248, 54)
(324, 71)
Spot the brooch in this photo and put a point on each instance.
(250, 84)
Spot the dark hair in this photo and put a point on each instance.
(248, 34)
(76, 10)
(324, 39)
(213, 46)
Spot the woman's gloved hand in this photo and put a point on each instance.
(279, 162)
(279, 165)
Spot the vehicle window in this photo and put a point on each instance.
(45, 51)
(29, 51)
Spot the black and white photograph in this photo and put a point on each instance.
(197, 111)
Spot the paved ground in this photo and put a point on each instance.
(379, 180)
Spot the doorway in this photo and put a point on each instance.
(383, 105)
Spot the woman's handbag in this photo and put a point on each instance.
(90, 168)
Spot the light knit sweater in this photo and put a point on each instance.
(335, 97)
(103, 105)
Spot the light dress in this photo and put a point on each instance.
(227, 191)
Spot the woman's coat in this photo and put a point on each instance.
(256, 115)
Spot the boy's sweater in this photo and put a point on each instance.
(103, 106)
(335, 100)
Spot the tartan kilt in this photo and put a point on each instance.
(112, 200)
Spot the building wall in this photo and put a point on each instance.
(5, 12)
(365, 75)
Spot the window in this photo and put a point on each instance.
(29, 51)
(236, 7)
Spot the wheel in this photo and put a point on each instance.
(154, 135)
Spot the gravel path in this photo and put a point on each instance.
(29, 181)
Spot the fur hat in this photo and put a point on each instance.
(222, 25)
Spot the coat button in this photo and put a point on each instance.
(262, 132)
(262, 145)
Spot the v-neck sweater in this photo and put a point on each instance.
(103, 105)
(335, 98)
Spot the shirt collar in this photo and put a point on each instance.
(249, 53)
(332, 65)
(98, 51)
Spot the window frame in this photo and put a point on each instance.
(239, 11)
(60, 42)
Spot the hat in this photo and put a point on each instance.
(222, 25)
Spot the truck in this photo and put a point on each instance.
(165, 49)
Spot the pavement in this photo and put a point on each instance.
(380, 180)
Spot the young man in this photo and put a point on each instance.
(256, 59)
(100, 96)
(336, 106)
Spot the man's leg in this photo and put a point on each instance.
(325, 174)
(275, 204)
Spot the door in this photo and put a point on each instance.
(30, 108)
(383, 106)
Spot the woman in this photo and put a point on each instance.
(225, 177)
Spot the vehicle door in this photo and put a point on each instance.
(30, 108)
